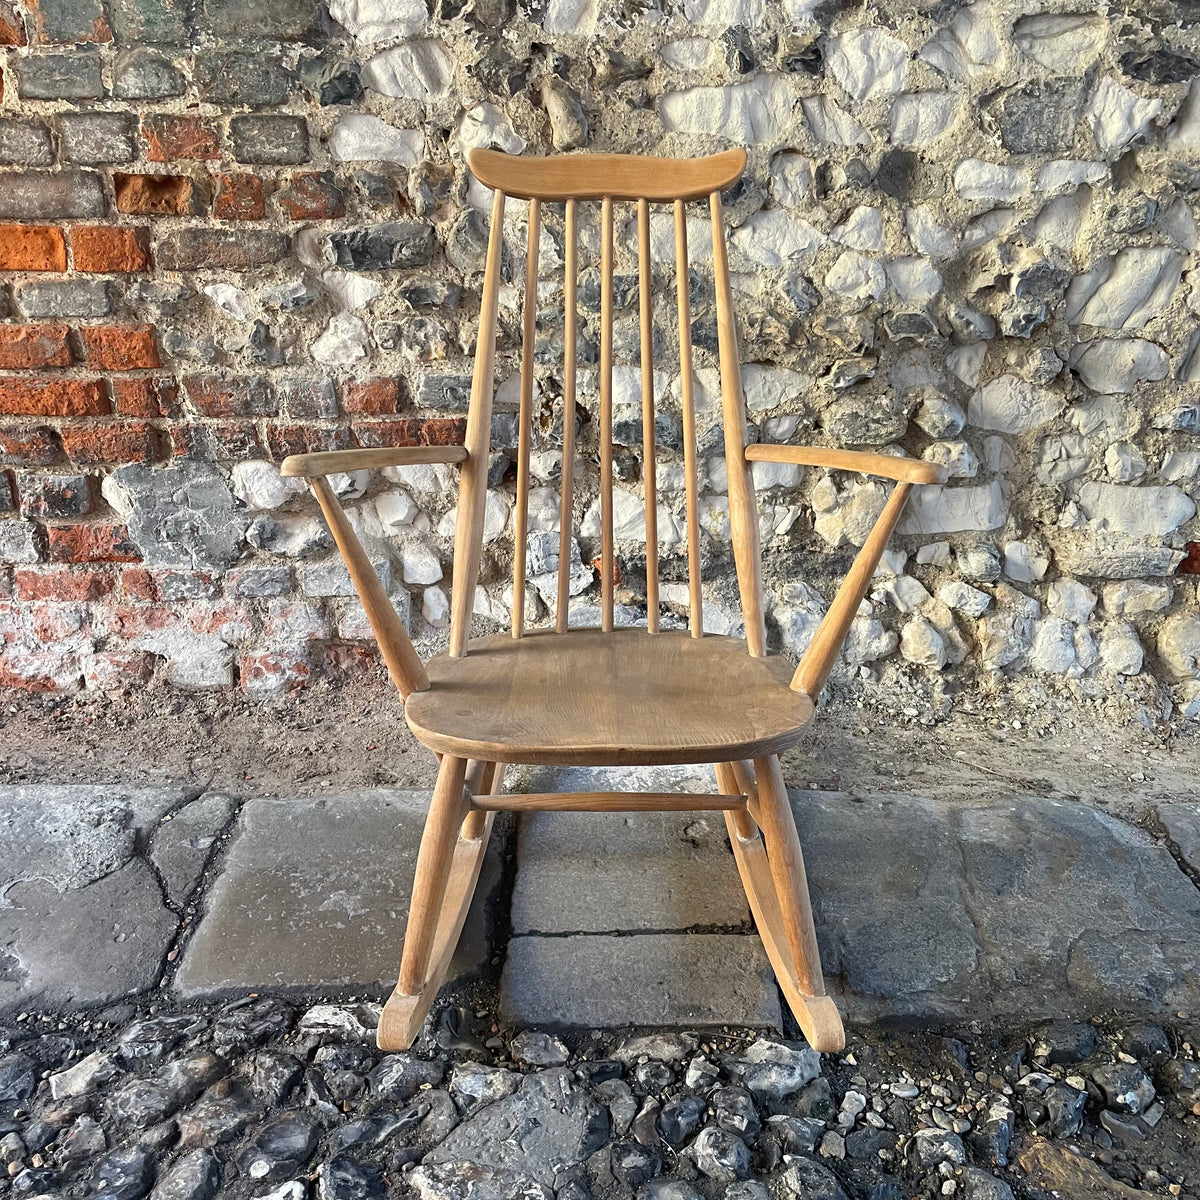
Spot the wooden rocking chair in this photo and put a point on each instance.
(608, 697)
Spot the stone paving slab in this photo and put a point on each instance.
(1182, 824)
(927, 911)
(313, 897)
(602, 981)
(1023, 908)
(84, 919)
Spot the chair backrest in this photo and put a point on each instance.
(610, 179)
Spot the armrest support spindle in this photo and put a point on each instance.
(405, 668)
(822, 651)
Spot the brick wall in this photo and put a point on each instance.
(230, 232)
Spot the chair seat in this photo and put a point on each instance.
(608, 699)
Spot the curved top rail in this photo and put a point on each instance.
(594, 176)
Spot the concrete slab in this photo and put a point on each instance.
(83, 919)
(1023, 908)
(602, 981)
(313, 897)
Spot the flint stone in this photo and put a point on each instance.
(807, 1179)
(547, 1126)
(280, 1147)
(196, 1176)
(1127, 290)
(179, 516)
(401, 1076)
(124, 1174)
(1117, 365)
(1127, 1088)
(474, 1085)
(774, 1070)
(469, 1181)
(1101, 937)
(286, 870)
(382, 247)
(1041, 118)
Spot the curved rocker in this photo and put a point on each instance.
(777, 889)
(442, 891)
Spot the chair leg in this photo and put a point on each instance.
(448, 866)
(772, 870)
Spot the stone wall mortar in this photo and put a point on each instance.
(967, 231)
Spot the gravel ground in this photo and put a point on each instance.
(257, 1099)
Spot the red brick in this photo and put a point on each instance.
(304, 439)
(413, 431)
(62, 583)
(23, 347)
(32, 248)
(230, 621)
(62, 27)
(120, 347)
(313, 196)
(224, 441)
(140, 584)
(239, 197)
(12, 27)
(133, 620)
(28, 446)
(143, 396)
(156, 195)
(54, 397)
(37, 672)
(102, 443)
(272, 672)
(215, 396)
(373, 397)
(171, 136)
(105, 248)
(93, 542)
(117, 668)
(57, 622)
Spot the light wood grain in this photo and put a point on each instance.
(739, 819)
(403, 1015)
(446, 812)
(525, 417)
(618, 176)
(333, 462)
(688, 404)
(608, 802)
(608, 699)
(570, 347)
(649, 447)
(743, 510)
(403, 664)
(827, 642)
(608, 569)
(472, 495)
(908, 470)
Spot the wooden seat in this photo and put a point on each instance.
(609, 696)
(608, 699)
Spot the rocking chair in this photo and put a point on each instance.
(609, 697)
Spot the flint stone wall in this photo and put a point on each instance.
(233, 231)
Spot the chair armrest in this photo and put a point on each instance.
(903, 470)
(331, 462)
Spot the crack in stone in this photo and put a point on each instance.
(183, 930)
(743, 928)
